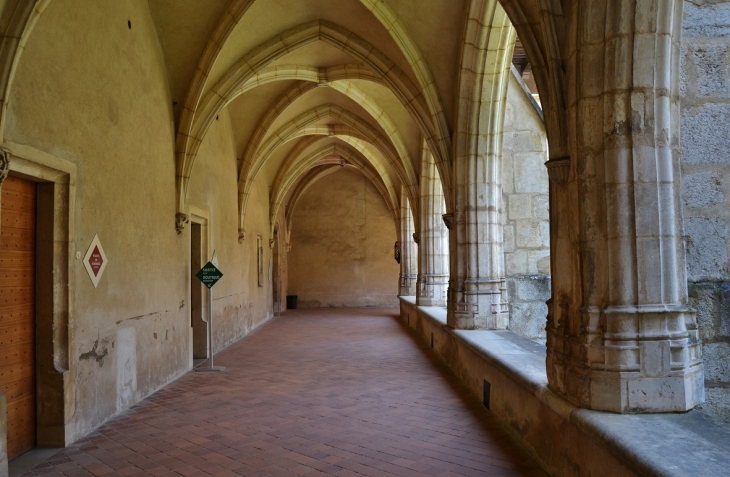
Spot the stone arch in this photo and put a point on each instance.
(229, 87)
(297, 167)
(302, 126)
(407, 174)
(227, 23)
(19, 17)
(542, 30)
(387, 17)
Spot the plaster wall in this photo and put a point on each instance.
(92, 90)
(527, 225)
(705, 89)
(342, 245)
(239, 304)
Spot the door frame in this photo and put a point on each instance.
(55, 246)
(200, 217)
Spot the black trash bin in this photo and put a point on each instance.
(291, 302)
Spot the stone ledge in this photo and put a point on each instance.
(568, 440)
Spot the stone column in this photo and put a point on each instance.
(408, 251)
(620, 334)
(477, 290)
(433, 239)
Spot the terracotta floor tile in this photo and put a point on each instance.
(314, 392)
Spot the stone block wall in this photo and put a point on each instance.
(526, 218)
(705, 90)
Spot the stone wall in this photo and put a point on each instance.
(705, 138)
(527, 226)
(342, 245)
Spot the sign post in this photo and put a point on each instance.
(210, 275)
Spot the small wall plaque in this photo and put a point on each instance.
(95, 261)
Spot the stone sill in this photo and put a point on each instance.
(568, 440)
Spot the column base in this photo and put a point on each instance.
(479, 306)
(431, 290)
(629, 360)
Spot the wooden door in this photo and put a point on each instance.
(17, 312)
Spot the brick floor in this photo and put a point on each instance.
(314, 392)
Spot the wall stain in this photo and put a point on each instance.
(139, 317)
(94, 354)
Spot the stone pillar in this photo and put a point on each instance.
(408, 251)
(433, 239)
(620, 334)
(477, 289)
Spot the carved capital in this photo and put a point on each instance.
(396, 251)
(180, 221)
(415, 237)
(241, 235)
(558, 170)
(448, 220)
(4, 164)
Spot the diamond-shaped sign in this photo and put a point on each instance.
(209, 275)
(95, 261)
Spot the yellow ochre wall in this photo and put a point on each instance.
(342, 245)
(94, 92)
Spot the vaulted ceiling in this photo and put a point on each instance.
(307, 83)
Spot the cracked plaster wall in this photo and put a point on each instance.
(705, 89)
(342, 245)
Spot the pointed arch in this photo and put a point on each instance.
(386, 72)
(298, 167)
(19, 17)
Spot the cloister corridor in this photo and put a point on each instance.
(341, 392)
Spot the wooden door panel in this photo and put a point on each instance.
(17, 312)
(20, 439)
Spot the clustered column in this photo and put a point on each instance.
(407, 248)
(433, 238)
(620, 334)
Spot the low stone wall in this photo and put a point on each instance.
(507, 372)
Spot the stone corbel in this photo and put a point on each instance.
(558, 170)
(415, 237)
(271, 243)
(241, 235)
(180, 221)
(448, 220)
(396, 251)
(4, 164)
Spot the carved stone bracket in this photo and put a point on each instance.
(241, 235)
(415, 237)
(448, 220)
(180, 221)
(4, 164)
(558, 170)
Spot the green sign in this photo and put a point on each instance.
(209, 275)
